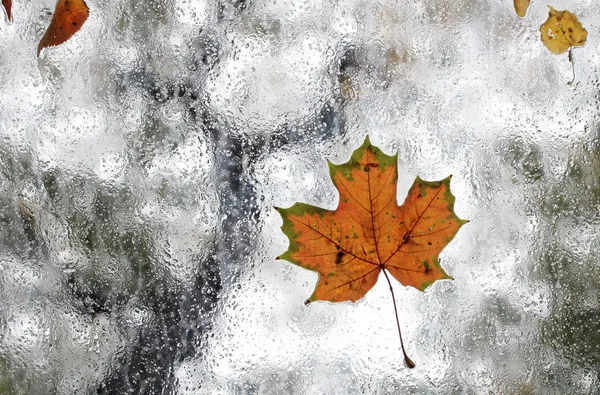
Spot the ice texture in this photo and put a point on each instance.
(141, 160)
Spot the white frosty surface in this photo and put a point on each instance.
(455, 87)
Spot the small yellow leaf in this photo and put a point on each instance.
(521, 7)
(562, 31)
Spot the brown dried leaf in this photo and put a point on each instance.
(68, 18)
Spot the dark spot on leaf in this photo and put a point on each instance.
(405, 238)
(427, 267)
(429, 243)
(338, 257)
(368, 166)
(74, 23)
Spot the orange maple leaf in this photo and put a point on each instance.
(369, 232)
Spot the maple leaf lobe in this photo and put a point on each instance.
(369, 232)
(380, 161)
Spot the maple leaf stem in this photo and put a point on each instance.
(408, 361)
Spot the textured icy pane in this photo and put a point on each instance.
(141, 160)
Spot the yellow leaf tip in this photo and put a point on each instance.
(521, 7)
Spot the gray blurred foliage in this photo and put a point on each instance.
(140, 161)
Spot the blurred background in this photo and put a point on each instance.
(140, 162)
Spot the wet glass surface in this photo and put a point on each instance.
(141, 160)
